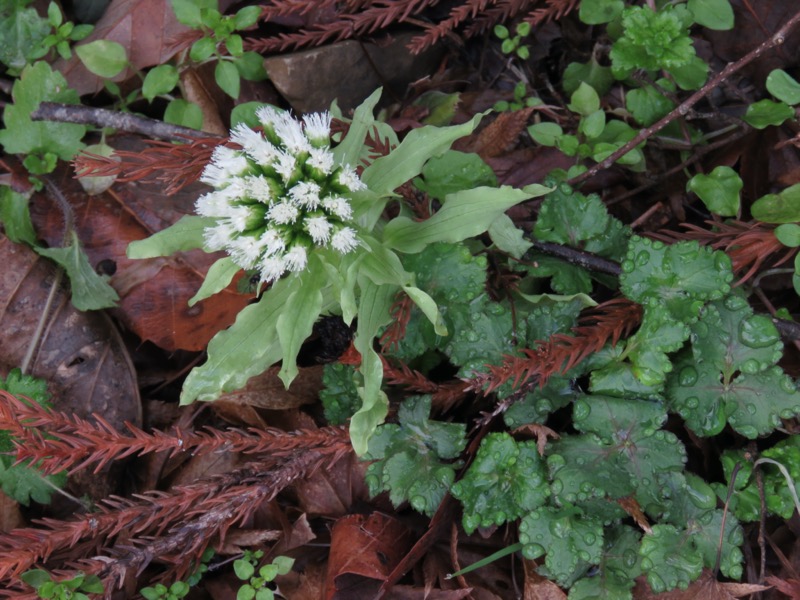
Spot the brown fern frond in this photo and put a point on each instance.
(555, 9)
(469, 10)
(58, 442)
(175, 165)
(748, 244)
(503, 10)
(443, 395)
(608, 322)
(401, 314)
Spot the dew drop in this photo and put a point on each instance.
(581, 410)
(692, 403)
(757, 332)
(688, 376)
(589, 539)
(627, 266)
(642, 258)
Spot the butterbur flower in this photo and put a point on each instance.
(280, 196)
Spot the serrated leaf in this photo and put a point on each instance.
(658, 335)
(506, 480)
(637, 48)
(569, 217)
(19, 384)
(668, 558)
(719, 190)
(566, 278)
(39, 83)
(22, 31)
(89, 290)
(339, 397)
(537, 404)
(409, 457)
(620, 565)
(23, 483)
(570, 538)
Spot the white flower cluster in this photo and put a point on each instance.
(280, 196)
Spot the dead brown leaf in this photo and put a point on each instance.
(790, 587)
(706, 587)
(540, 432)
(538, 587)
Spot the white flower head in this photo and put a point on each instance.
(319, 229)
(321, 159)
(219, 236)
(268, 115)
(212, 204)
(260, 188)
(296, 258)
(344, 240)
(272, 268)
(283, 213)
(348, 178)
(226, 163)
(272, 242)
(254, 144)
(338, 207)
(246, 250)
(306, 194)
(240, 218)
(318, 128)
(291, 135)
(285, 166)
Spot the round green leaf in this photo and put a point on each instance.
(103, 57)
(186, 114)
(246, 592)
(247, 17)
(251, 66)
(596, 12)
(783, 86)
(764, 113)
(714, 14)
(227, 76)
(160, 80)
(788, 234)
(778, 208)
(244, 569)
(719, 190)
(584, 100)
(501, 31)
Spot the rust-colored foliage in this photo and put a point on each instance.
(608, 322)
(327, 21)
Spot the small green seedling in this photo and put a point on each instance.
(257, 579)
(75, 588)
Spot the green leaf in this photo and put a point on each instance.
(719, 190)
(619, 565)
(408, 457)
(159, 80)
(592, 73)
(584, 100)
(103, 57)
(537, 404)
(784, 87)
(246, 113)
(647, 104)
(219, 276)
(19, 384)
(783, 207)
(234, 45)
(244, 569)
(339, 397)
(251, 66)
(24, 483)
(571, 539)
(348, 152)
(545, 133)
(188, 11)
(183, 113)
(592, 125)
(454, 172)
(387, 173)
(202, 49)
(597, 12)
(669, 559)
(247, 17)
(89, 290)
(506, 480)
(764, 113)
(464, 214)
(227, 77)
(507, 237)
(651, 40)
(39, 83)
(35, 577)
(568, 217)
(15, 217)
(295, 323)
(23, 32)
(246, 348)
(284, 564)
(788, 234)
(186, 234)
(714, 14)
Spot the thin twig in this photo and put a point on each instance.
(778, 38)
(101, 117)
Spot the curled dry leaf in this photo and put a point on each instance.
(80, 355)
(154, 293)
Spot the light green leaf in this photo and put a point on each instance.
(247, 348)
(545, 133)
(202, 49)
(188, 11)
(159, 80)
(22, 31)
(788, 234)
(719, 190)
(584, 100)
(296, 321)
(783, 207)
(227, 77)
(15, 217)
(348, 152)
(714, 14)
(508, 237)
(597, 12)
(783, 86)
(464, 214)
(186, 234)
(103, 57)
(406, 161)
(89, 290)
(428, 307)
(454, 171)
(219, 276)
(183, 113)
(764, 113)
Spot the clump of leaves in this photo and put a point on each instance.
(255, 578)
(74, 588)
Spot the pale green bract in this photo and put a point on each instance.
(291, 209)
